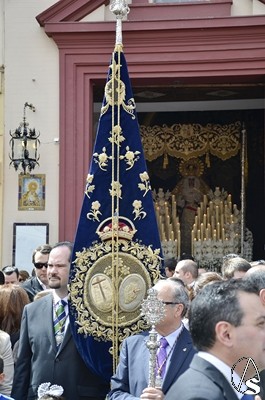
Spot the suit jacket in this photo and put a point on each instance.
(32, 287)
(202, 381)
(262, 384)
(7, 355)
(39, 361)
(132, 374)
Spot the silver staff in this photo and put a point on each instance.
(153, 311)
(120, 9)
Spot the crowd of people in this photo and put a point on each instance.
(210, 341)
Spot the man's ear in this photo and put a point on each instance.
(262, 296)
(2, 377)
(223, 333)
(188, 274)
(179, 309)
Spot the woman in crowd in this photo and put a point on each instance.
(13, 299)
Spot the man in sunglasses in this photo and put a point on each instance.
(38, 282)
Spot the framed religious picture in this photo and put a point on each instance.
(31, 195)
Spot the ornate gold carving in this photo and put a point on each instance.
(191, 140)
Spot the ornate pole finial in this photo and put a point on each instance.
(153, 311)
(120, 9)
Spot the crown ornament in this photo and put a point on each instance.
(114, 227)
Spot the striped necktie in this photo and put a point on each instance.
(59, 322)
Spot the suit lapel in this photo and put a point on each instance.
(48, 305)
(214, 375)
(179, 355)
(145, 356)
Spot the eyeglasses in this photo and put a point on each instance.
(41, 265)
(167, 303)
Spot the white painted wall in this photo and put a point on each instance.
(31, 75)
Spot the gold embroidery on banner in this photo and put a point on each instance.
(116, 135)
(145, 185)
(130, 157)
(89, 187)
(115, 190)
(115, 92)
(138, 210)
(94, 211)
(94, 293)
(102, 159)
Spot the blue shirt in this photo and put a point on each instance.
(3, 397)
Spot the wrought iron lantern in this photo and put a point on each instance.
(24, 144)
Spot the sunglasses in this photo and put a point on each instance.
(41, 265)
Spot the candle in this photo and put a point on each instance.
(209, 230)
(204, 201)
(221, 207)
(217, 214)
(208, 214)
(199, 216)
(223, 235)
(212, 222)
(202, 231)
(222, 221)
(214, 235)
(192, 242)
(204, 220)
(218, 231)
(178, 243)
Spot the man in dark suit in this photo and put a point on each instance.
(47, 354)
(38, 282)
(256, 275)
(132, 375)
(227, 325)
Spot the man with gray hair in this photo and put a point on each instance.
(131, 378)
